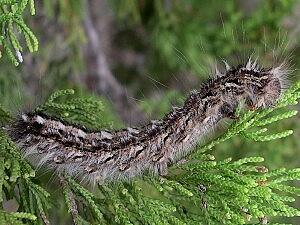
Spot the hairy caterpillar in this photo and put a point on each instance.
(111, 155)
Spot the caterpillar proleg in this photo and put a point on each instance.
(108, 155)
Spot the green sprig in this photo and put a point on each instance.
(11, 20)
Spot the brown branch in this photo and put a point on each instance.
(100, 77)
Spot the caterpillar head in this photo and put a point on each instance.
(264, 86)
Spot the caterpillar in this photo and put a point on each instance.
(110, 155)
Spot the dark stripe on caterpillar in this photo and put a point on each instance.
(103, 156)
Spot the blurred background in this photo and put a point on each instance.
(140, 57)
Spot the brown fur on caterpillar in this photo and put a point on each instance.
(105, 156)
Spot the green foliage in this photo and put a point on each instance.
(237, 192)
(15, 218)
(189, 35)
(16, 183)
(12, 23)
(81, 109)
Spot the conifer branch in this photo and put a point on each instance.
(11, 21)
